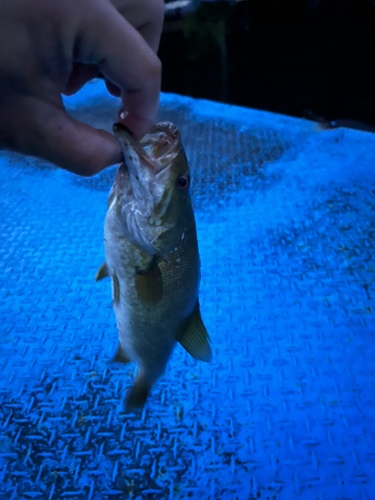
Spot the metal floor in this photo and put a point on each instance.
(286, 409)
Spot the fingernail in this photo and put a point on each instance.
(122, 114)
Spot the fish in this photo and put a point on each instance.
(152, 257)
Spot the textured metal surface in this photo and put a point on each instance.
(285, 410)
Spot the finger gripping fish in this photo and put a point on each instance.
(151, 255)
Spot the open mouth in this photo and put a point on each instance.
(156, 150)
(161, 145)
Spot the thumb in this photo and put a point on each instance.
(48, 132)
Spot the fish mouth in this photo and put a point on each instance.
(161, 145)
(142, 187)
(148, 161)
(156, 150)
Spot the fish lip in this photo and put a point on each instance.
(164, 143)
(169, 128)
(124, 135)
(163, 134)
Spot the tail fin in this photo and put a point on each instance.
(137, 396)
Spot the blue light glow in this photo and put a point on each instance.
(286, 408)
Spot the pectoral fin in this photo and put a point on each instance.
(102, 272)
(149, 284)
(120, 356)
(194, 338)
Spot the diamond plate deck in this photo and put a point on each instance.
(286, 409)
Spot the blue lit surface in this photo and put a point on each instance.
(286, 409)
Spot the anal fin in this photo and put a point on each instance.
(194, 337)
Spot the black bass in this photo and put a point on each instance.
(151, 254)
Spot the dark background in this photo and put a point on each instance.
(305, 58)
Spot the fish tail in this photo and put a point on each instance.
(137, 395)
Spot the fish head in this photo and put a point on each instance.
(151, 195)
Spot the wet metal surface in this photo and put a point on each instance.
(286, 409)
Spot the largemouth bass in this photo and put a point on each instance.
(151, 254)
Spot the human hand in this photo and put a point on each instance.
(53, 47)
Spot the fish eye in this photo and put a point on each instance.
(183, 182)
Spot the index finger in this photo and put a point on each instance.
(146, 16)
(126, 60)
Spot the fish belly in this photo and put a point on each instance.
(147, 332)
(146, 335)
